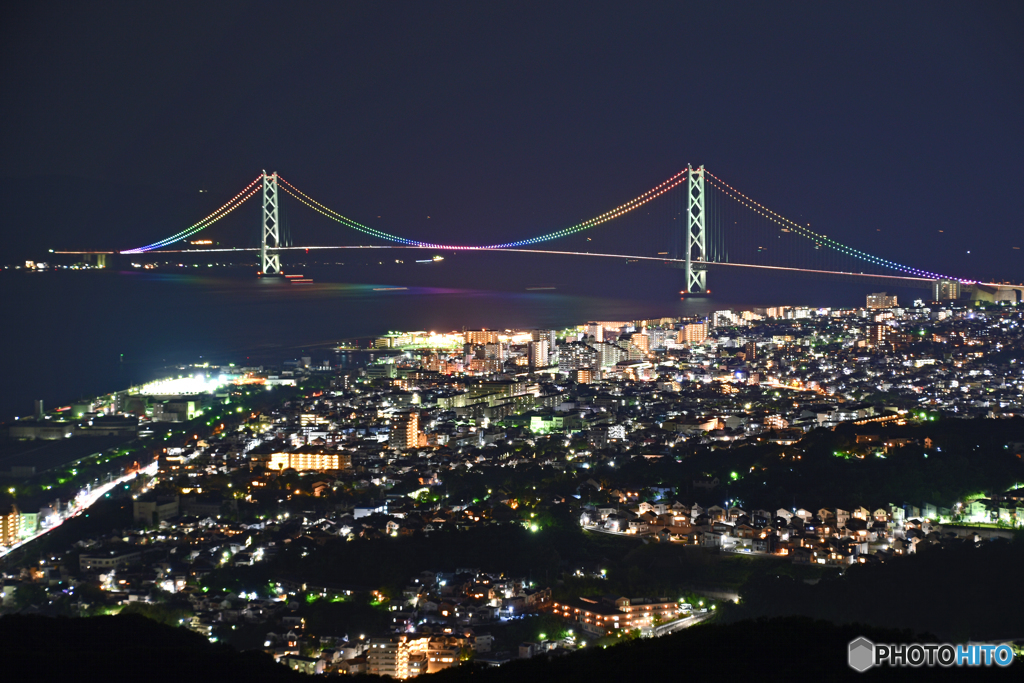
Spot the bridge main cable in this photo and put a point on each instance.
(788, 225)
(635, 203)
(672, 182)
(247, 192)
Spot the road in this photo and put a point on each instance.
(679, 624)
(81, 504)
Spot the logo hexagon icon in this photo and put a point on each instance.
(861, 654)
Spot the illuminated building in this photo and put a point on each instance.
(549, 335)
(877, 333)
(496, 350)
(387, 657)
(633, 352)
(381, 371)
(538, 353)
(881, 300)
(481, 337)
(945, 289)
(584, 376)
(725, 319)
(605, 617)
(609, 354)
(595, 330)
(442, 653)
(641, 341)
(656, 338)
(574, 356)
(545, 424)
(485, 365)
(399, 657)
(310, 460)
(405, 431)
(10, 527)
(693, 333)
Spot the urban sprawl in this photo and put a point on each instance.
(239, 500)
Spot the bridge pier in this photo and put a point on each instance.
(995, 293)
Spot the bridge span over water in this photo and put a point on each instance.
(693, 221)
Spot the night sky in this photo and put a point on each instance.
(880, 123)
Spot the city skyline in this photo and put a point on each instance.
(433, 486)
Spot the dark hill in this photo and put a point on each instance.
(123, 648)
(784, 649)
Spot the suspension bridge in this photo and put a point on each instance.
(694, 221)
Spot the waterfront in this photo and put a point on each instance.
(101, 331)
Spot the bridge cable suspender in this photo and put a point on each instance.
(695, 243)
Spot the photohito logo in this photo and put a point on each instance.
(863, 654)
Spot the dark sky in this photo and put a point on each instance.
(880, 122)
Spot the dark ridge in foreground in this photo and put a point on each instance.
(121, 648)
(787, 648)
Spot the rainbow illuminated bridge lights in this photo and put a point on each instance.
(674, 181)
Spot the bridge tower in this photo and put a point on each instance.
(270, 228)
(696, 234)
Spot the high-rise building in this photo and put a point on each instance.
(576, 355)
(405, 431)
(724, 319)
(387, 657)
(10, 527)
(609, 354)
(641, 341)
(537, 335)
(877, 333)
(657, 337)
(476, 337)
(538, 353)
(693, 333)
(943, 290)
(750, 351)
(633, 352)
(595, 330)
(402, 657)
(881, 300)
